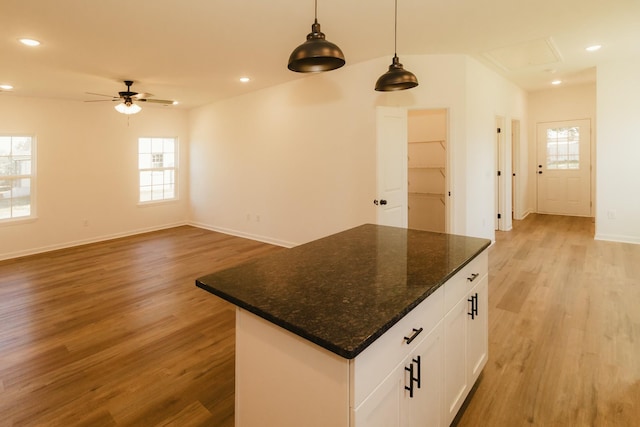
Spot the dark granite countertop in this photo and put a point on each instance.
(344, 291)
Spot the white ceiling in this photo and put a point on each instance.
(194, 51)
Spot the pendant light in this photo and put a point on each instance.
(397, 78)
(316, 54)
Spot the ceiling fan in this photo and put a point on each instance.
(127, 98)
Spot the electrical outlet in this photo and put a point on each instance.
(611, 214)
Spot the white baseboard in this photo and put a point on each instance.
(256, 237)
(65, 245)
(617, 238)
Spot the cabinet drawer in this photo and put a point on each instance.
(459, 285)
(371, 366)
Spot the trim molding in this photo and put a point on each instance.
(71, 244)
(617, 238)
(259, 238)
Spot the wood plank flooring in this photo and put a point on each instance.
(564, 329)
(117, 334)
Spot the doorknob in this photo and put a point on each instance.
(381, 202)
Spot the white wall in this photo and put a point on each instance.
(296, 162)
(87, 171)
(490, 96)
(560, 104)
(618, 152)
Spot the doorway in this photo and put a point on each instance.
(427, 169)
(564, 167)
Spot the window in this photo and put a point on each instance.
(157, 166)
(16, 176)
(563, 148)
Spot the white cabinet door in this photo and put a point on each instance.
(477, 338)
(393, 404)
(455, 363)
(383, 407)
(425, 408)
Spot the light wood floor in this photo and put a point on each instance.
(116, 333)
(564, 329)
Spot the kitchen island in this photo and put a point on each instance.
(371, 326)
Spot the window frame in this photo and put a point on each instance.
(32, 176)
(163, 169)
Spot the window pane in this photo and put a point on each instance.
(6, 166)
(157, 178)
(21, 188)
(168, 191)
(21, 207)
(156, 192)
(169, 145)
(563, 148)
(5, 145)
(5, 208)
(145, 178)
(156, 145)
(156, 164)
(21, 146)
(16, 165)
(144, 161)
(144, 145)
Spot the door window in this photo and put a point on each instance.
(563, 148)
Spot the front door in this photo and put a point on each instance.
(391, 197)
(564, 167)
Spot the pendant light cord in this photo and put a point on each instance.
(316, 12)
(395, 32)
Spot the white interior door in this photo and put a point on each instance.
(564, 167)
(391, 198)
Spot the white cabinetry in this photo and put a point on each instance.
(465, 333)
(417, 373)
(411, 394)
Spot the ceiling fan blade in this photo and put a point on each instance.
(156, 101)
(142, 95)
(103, 100)
(101, 94)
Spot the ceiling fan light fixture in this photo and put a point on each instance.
(316, 54)
(396, 78)
(128, 107)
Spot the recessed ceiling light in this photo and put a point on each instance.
(6, 87)
(593, 48)
(556, 82)
(245, 79)
(30, 42)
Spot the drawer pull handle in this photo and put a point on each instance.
(474, 306)
(473, 277)
(409, 388)
(416, 332)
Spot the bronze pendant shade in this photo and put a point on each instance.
(316, 54)
(397, 78)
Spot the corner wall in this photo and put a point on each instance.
(618, 151)
(87, 172)
(296, 162)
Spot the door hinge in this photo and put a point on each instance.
(499, 130)
(499, 173)
(499, 216)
